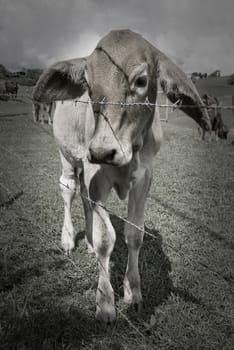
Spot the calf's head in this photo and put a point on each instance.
(122, 72)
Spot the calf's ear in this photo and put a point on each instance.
(179, 88)
(62, 81)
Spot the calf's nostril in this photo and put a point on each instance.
(100, 155)
(110, 155)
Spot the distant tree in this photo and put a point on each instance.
(34, 73)
(3, 71)
(230, 80)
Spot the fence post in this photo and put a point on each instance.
(167, 109)
(158, 111)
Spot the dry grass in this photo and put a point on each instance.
(48, 303)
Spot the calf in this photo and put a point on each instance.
(11, 88)
(110, 142)
(3, 94)
(43, 112)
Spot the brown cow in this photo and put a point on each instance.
(218, 128)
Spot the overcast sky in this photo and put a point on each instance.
(197, 34)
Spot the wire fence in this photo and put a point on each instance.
(163, 109)
(176, 105)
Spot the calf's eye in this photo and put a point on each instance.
(141, 82)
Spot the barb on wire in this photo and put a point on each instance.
(176, 104)
(147, 103)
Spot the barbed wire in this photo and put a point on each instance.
(177, 105)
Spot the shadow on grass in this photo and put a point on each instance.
(214, 235)
(154, 267)
(48, 323)
(18, 275)
(51, 328)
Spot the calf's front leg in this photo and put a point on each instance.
(100, 235)
(134, 238)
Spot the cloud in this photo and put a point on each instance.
(197, 34)
(204, 53)
(81, 45)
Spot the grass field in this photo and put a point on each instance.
(47, 300)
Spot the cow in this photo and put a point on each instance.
(215, 74)
(218, 128)
(3, 94)
(43, 112)
(108, 140)
(11, 88)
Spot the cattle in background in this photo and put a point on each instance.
(43, 112)
(203, 75)
(196, 76)
(215, 74)
(230, 137)
(218, 128)
(11, 88)
(3, 94)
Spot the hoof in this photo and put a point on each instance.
(89, 247)
(106, 315)
(67, 241)
(68, 247)
(132, 296)
(138, 307)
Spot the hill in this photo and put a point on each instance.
(215, 86)
(23, 77)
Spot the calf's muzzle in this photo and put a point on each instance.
(101, 155)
